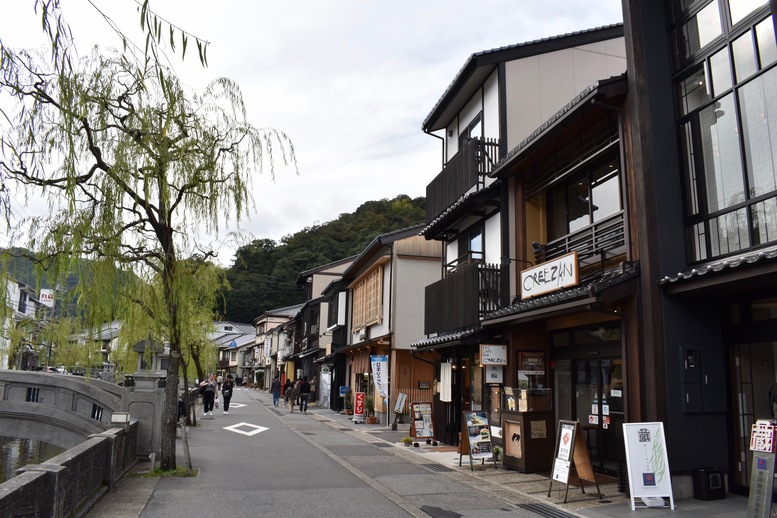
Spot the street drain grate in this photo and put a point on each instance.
(308, 433)
(547, 511)
(382, 445)
(276, 412)
(437, 467)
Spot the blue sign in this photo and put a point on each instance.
(232, 344)
(344, 389)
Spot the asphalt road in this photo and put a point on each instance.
(262, 461)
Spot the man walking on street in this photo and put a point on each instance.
(275, 389)
(304, 394)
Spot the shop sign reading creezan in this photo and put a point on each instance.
(549, 276)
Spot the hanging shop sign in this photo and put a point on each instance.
(493, 354)
(550, 276)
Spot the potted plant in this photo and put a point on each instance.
(369, 409)
(348, 403)
(498, 453)
(407, 441)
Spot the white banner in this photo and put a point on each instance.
(380, 374)
(647, 461)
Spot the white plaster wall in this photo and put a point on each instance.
(412, 277)
(493, 250)
(539, 86)
(451, 252)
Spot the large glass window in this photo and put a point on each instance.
(728, 131)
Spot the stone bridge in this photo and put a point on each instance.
(66, 410)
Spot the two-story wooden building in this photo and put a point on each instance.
(497, 101)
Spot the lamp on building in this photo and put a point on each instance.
(537, 248)
(122, 418)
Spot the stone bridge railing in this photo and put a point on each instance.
(69, 484)
(66, 410)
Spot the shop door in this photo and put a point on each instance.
(599, 408)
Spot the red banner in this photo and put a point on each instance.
(358, 405)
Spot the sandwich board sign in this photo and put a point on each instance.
(571, 453)
(648, 464)
(476, 439)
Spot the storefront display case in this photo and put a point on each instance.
(528, 430)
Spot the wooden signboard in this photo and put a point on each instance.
(648, 464)
(421, 424)
(476, 439)
(571, 453)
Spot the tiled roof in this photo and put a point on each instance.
(445, 338)
(766, 254)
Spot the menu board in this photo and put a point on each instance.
(476, 438)
(423, 427)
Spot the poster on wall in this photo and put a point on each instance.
(648, 464)
(531, 369)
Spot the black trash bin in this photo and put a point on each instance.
(708, 484)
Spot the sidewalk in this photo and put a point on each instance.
(613, 504)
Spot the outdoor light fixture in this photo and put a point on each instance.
(120, 418)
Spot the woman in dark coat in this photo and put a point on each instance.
(226, 392)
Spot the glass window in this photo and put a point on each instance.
(722, 158)
(764, 221)
(720, 72)
(578, 205)
(744, 56)
(476, 242)
(741, 8)
(605, 191)
(694, 92)
(729, 232)
(692, 198)
(758, 106)
(767, 48)
(702, 29)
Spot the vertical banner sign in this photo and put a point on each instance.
(762, 444)
(647, 462)
(380, 374)
(358, 407)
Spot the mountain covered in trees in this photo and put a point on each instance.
(264, 273)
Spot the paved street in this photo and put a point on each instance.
(262, 461)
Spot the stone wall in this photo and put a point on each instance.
(72, 482)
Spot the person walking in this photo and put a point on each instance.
(294, 395)
(219, 380)
(226, 391)
(304, 394)
(275, 389)
(287, 386)
(210, 392)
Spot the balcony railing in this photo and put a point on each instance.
(594, 243)
(462, 298)
(466, 169)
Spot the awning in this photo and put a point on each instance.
(444, 340)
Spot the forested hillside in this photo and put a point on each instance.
(264, 272)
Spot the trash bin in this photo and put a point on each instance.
(708, 484)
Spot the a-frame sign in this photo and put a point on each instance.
(571, 453)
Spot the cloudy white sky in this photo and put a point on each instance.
(350, 81)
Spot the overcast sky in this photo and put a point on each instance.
(349, 81)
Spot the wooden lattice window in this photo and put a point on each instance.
(368, 299)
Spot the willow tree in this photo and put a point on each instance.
(135, 170)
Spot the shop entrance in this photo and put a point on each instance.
(588, 374)
(598, 405)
